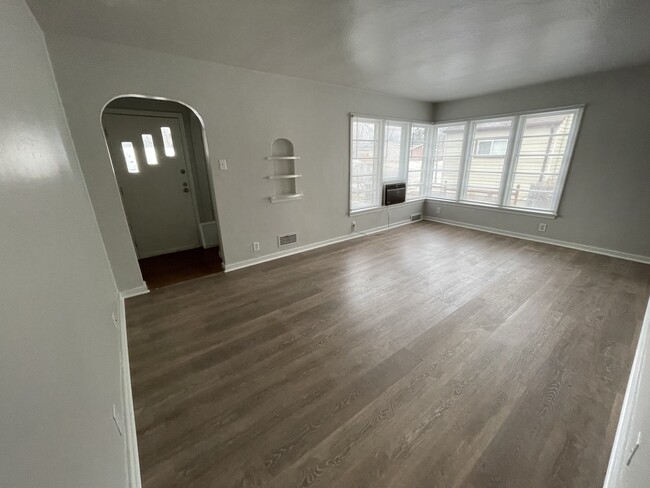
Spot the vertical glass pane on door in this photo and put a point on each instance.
(130, 158)
(168, 142)
(149, 149)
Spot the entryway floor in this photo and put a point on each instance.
(167, 269)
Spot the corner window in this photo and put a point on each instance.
(386, 151)
(518, 161)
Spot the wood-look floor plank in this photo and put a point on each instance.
(426, 356)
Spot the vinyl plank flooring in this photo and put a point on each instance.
(426, 356)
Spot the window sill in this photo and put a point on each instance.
(385, 207)
(516, 211)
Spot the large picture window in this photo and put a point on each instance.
(518, 161)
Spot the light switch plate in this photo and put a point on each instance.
(223, 164)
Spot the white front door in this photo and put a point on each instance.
(152, 172)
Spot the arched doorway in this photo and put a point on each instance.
(159, 156)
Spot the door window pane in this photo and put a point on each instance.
(168, 142)
(149, 149)
(130, 158)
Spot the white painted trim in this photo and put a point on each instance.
(362, 211)
(481, 206)
(623, 435)
(130, 434)
(308, 247)
(545, 240)
(134, 292)
(202, 226)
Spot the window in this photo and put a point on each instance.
(394, 146)
(168, 142)
(384, 151)
(364, 178)
(485, 169)
(494, 147)
(516, 162)
(130, 158)
(418, 151)
(540, 160)
(446, 161)
(149, 149)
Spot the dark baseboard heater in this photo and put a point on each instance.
(394, 193)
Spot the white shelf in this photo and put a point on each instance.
(283, 177)
(287, 197)
(281, 158)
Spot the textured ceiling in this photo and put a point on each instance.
(423, 49)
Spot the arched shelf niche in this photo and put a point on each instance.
(285, 175)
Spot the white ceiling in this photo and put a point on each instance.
(423, 49)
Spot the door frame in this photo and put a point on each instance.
(186, 153)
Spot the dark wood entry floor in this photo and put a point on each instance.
(176, 267)
(431, 356)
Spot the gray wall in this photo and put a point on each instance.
(59, 356)
(244, 112)
(606, 201)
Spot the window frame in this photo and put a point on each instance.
(509, 165)
(511, 155)
(380, 181)
(461, 194)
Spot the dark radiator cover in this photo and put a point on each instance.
(394, 193)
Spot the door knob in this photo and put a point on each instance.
(182, 171)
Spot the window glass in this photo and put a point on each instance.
(446, 161)
(486, 164)
(365, 163)
(394, 143)
(149, 149)
(130, 158)
(418, 150)
(540, 160)
(168, 142)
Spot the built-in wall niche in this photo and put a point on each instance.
(285, 175)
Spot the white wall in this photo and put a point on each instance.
(606, 200)
(634, 420)
(244, 112)
(59, 366)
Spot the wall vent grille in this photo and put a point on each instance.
(287, 240)
(415, 217)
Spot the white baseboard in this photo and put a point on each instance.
(130, 433)
(545, 240)
(309, 247)
(134, 292)
(624, 439)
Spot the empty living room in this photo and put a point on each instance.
(341, 244)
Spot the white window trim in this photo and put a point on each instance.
(514, 143)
